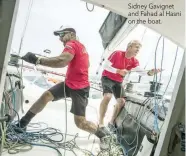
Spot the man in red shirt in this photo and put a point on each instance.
(116, 67)
(76, 85)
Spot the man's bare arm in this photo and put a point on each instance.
(57, 62)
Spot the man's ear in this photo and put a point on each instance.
(73, 35)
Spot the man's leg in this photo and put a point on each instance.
(54, 93)
(107, 95)
(79, 104)
(87, 126)
(120, 103)
(120, 98)
(103, 108)
(90, 127)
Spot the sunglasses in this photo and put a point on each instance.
(63, 34)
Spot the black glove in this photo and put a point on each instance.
(30, 58)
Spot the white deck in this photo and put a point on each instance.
(54, 116)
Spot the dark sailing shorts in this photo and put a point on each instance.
(114, 87)
(79, 97)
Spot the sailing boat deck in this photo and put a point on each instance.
(54, 116)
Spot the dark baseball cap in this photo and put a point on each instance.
(63, 29)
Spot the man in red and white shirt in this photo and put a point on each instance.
(115, 68)
(76, 85)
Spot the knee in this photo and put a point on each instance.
(79, 121)
(107, 97)
(47, 96)
(121, 102)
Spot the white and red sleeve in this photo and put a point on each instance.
(70, 48)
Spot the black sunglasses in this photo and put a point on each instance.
(63, 34)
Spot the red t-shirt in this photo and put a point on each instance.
(119, 61)
(77, 72)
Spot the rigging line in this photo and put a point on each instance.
(143, 34)
(170, 77)
(155, 57)
(66, 116)
(156, 110)
(150, 59)
(162, 58)
(90, 10)
(28, 16)
(172, 70)
(26, 23)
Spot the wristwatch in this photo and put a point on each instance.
(38, 61)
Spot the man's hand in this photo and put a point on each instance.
(122, 72)
(30, 58)
(153, 71)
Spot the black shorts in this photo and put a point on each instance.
(79, 97)
(114, 87)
